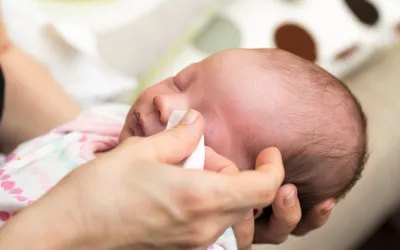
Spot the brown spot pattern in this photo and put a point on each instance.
(295, 39)
(346, 53)
(364, 10)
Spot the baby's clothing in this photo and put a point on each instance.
(38, 165)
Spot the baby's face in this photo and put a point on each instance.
(225, 89)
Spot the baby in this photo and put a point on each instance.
(253, 99)
(250, 100)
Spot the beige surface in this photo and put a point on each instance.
(377, 86)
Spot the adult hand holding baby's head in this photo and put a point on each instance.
(269, 160)
(286, 215)
(136, 196)
(287, 218)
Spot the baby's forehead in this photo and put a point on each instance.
(232, 59)
(247, 66)
(242, 80)
(247, 79)
(258, 83)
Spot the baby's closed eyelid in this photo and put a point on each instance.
(181, 84)
(175, 86)
(184, 78)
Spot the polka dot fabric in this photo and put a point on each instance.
(338, 35)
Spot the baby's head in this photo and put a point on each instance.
(253, 99)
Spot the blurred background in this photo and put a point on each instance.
(110, 50)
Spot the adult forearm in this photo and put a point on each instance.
(34, 102)
(24, 233)
(41, 227)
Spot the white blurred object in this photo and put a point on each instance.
(331, 23)
(88, 79)
(343, 42)
(197, 158)
(132, 35)
(95, 50)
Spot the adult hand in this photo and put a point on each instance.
(26, 113)
(244, 229)
(287, 219)
(4, 41)
(132, 198)
(286, 209)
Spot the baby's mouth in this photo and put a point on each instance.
(141, 124)
(146, 124)
(136, 125)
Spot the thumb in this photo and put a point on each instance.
(219, 164)
(174, 145)
(260, 185)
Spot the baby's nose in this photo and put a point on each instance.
(165, 104)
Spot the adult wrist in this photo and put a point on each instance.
(35, 228)
(50, 223)
(4, 41)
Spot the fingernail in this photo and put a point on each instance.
(189, 117)
(249, 214)
(289, 200)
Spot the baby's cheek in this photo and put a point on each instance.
(215, 139)
(220, 138)
(227, 150)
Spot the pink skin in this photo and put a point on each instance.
(232, 93)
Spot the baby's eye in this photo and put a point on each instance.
(185, 78)
(179, 84)
(175, 85)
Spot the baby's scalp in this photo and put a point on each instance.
(310, 115)
(323, 126)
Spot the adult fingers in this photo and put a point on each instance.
(253, 189)
(173, 145)
(286, 214)
(244, 229)
(316, 217)
(244, 232)
(270, 157)
(217, 163)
